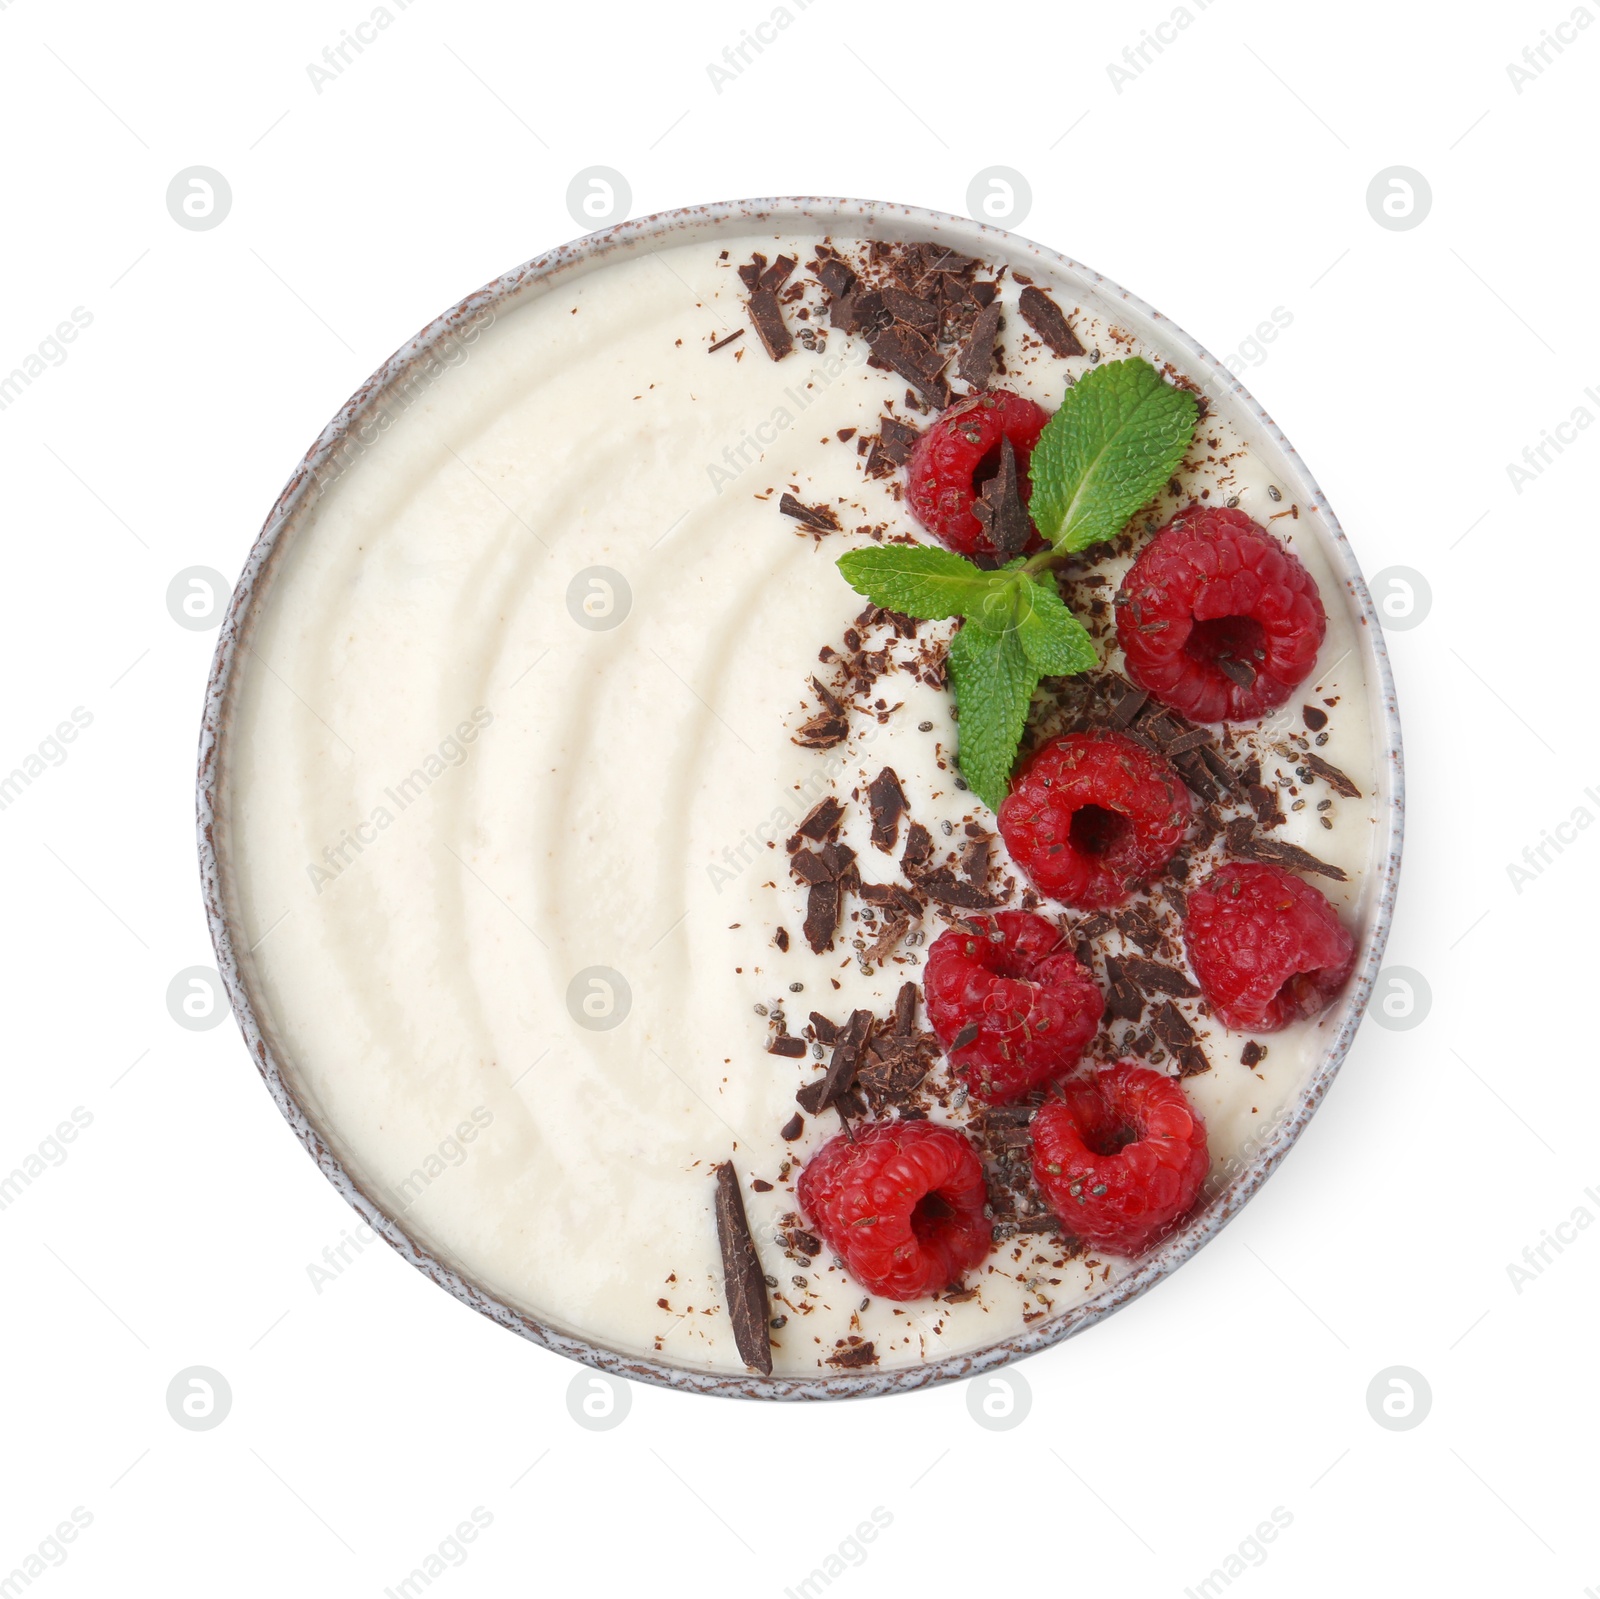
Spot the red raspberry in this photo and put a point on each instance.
(1268, 949)
(959, 453)
(1014, 990)
(902, 1203)
(1121, 1157)
(1093, 814)
(1218, 619)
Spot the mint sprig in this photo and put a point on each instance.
(1117, 437)
(1120, 434)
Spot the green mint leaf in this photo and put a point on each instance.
(994, 681)
(1054, 640)
(920, 580)
(1120, 433)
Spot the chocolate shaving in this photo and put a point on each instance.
(822, 916)
(840, 1076)
(829, 727)
(905, 1009)
(893, 1067)
(940, 258)
(835, 276)
(783, 1044)
(1331, 775)
(975, 364)
(945, 888)
(891, 897)
(967, 1035)
(744, 1285)
(1155, 978)
(1124, 1003)
(905, 351)
(973, 863)
(923, 315)
(1240, 672)
(738, 333)
(853, 1355)
(1126, 702)
(777, 274)
(1046, 318)
(918, 851)
(819, 518)
(892, 447)
(792, 1128)
(766, 317)
(781, 939)
(821, 821)
(861, 311)
(825, 1032)
(887, 802)
(1174, 1031)
(1273, 852)
(1252, 1053)
(1315, 717)
(999, 507)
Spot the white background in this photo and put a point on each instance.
(1227, 179)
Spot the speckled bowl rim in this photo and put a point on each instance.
(812, 214)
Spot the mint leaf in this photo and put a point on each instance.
(919, 580)
(1120, 433)
(994, 681)
(1054, 640)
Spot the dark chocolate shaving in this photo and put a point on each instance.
(887, 802)
(819, 518)
(1155, 978)
(1046, 318)
(1273, 852)
(1124, 1002)
(905, 1009)
(905, 351)
(829, 727)
(766, 317)
(823, 1030)
(861, 311)
(840, 1076)
(1252, 1053)
(967, 1035)
(744, 1285)
(1330, 774)
(999, 507)
(892, 447)
(915, 312)
(823, 901)
(783, 1044)
(821, 821)
(1173, 1029)
(854, 1355)
(975, 364)
(835, 276)
(1315, 717)
(777, 274)
(738, 333)
(943, 887)
(1240, 672)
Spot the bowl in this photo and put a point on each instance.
(731, 220)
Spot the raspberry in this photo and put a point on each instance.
(1093, 814)
(1218, 619)
(1121, 1157)
(902, 1203)
(1268, 949)
(1015, 991)
(958, 454)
